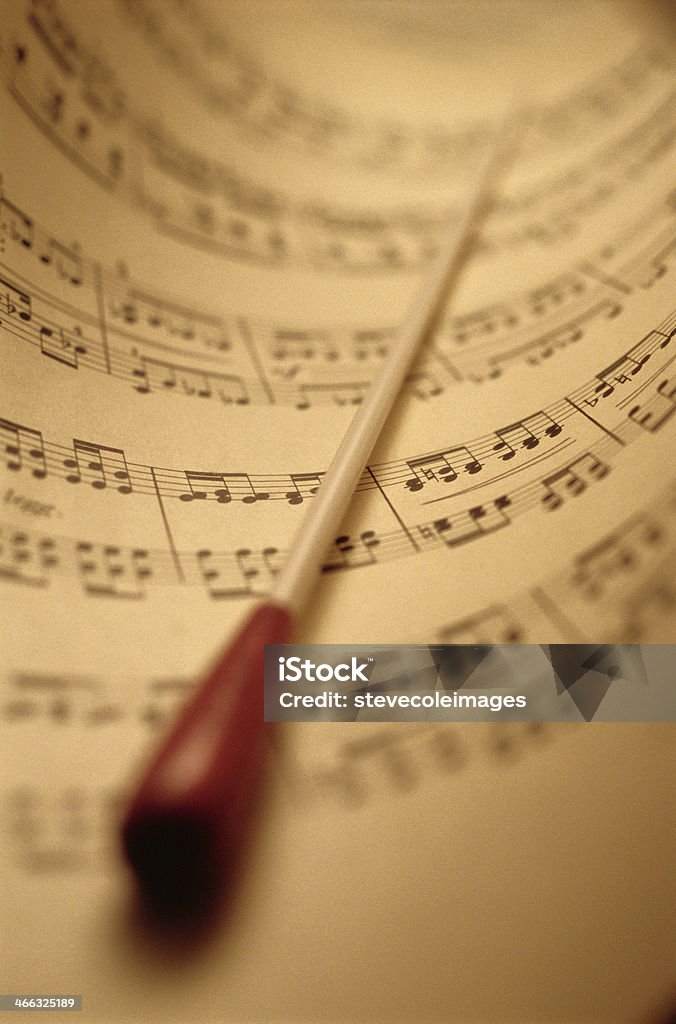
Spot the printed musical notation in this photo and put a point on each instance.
(71, 829)
(78, 102)
(61, 833)
(623, 563)
(623, 585)
(109, 325)
(633, 397)
(82, 316)
(270, 110)
(204, 254)
(69, 700)
(363, 768)
(640, 547)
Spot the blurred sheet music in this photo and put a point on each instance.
(211, 219)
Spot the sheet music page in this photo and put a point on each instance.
(212, 218)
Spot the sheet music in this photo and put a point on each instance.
(211, 221)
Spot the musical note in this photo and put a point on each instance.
(137, 306)
(58, 345)
(55, 695)
(341, 394)
(230, 576)
(371, 343)
(100, 91)
(157, 374)
(653, 414)
(294, 343)
(126, 311)
(495, 624)
(441, 467)
(367, 549)
(273, 560)
(23, 447)
(100, 465)
(624, 581)
(649, 609)
(568, 333)
(15, 224)
(26, 558)
(659, 264)
(214, 209)
(67, 699)
(14, 302)
(424, 384)
(60, 831)
(257, 218)
(54, 32)
(165, 697)
(482, 323)
(619, 372)
(304, 486)
(469, 524)
(556, 293)
(524, 434)
(352, 554)
(223, 487)
(66, 261)
(572, 480)
(149, 374)
(109, 571)
(616, 557)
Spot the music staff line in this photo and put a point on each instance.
(105, 466)
(475, 347)
(59, 830)
(149, 375)
(258, 224)
(623, 578)
(146, 374)
(133, 303)
(114, 571)
(618, 583)
(63, 46)
(271, 111)
(66, 699)
(100, 702)
(69, 829)
(623, 560)
(365, 242)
